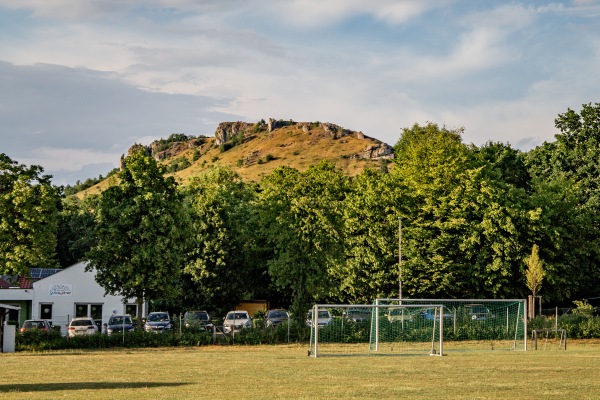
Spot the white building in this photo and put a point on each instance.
(69, 293)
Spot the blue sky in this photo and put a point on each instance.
(81, 81)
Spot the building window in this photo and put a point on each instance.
(46, 311)
(81, 310)
(14, 316)
(96, 311)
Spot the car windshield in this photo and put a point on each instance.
(278, 314)
(238, 315)
(34, 324)
(81, 322)
(158, 317)
(119, 320)
(322, 314)
(199, 315)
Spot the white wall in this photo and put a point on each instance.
(69, 287)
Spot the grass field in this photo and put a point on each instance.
(285, 372)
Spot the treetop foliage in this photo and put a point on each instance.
(28, 218)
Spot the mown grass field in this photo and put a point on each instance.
(285, 372)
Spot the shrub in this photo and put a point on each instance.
(577, 326)
(196, 155)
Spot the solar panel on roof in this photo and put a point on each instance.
(39, 273)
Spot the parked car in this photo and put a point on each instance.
(236, 320)
(119, 324)
(398, 314)
(429, 314)
(82, 326)
(158, 321)
(359, 314)
(36, 324)
(200, 319)
(323, 319)
(478, 312)
(276, 317)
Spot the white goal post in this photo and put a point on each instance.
(376, 329)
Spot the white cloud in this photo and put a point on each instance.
(100, 75)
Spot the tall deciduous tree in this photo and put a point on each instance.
(221, 260)
(141, 233)
(28, 218)
(302, 218)
(371, 211)
(567, 191)
(466, 218)
(76, 229)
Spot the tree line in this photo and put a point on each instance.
(445, 220)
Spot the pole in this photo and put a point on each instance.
(400, 259)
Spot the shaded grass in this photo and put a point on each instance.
(268, 372)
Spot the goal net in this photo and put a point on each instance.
(478, 324)
(380, 329)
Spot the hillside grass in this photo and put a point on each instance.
(285, 371)
(286, 146)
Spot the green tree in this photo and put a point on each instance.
(466, 220)
(302, 219)
(76, 224)
(222, 261)
(141, 233)
(567, 170)
(28, 218)
(371, 211)
(565, 232)
(534, 274)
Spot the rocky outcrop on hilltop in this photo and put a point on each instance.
(227, 130)
(379, 151)
(375, 149)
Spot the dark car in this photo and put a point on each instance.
(119, 324)
(199, 319)
(276, 317)
(35, 324)
(158, 321)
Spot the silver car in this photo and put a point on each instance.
(236, 321)
(324, 318)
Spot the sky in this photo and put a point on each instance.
(82, 81)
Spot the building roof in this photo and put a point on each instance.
(24, 282)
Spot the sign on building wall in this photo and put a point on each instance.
(60, 289)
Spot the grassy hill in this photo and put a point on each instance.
(255, 150)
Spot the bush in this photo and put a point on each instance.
(578, 326)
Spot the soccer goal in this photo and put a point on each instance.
(384, 329)
(478, 324)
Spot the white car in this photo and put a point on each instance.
(82, 326)
(323, 319)
(236, 320)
